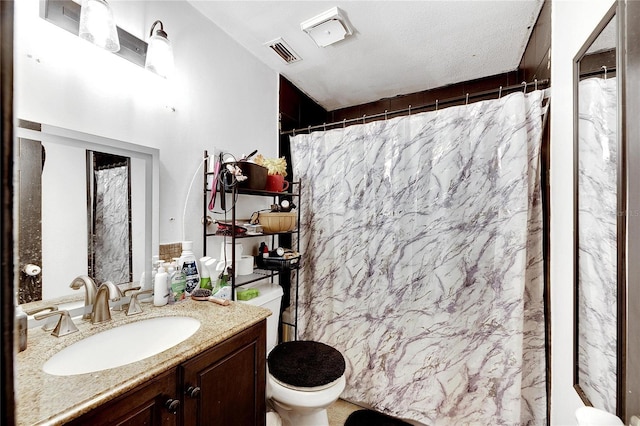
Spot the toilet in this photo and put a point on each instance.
(303, 377)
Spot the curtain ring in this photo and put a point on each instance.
(535, 84)
(467, 100)
(500, 92)
(344, 123)
(605, 71)
(436, 104)
(409, 109)
(385, 114)
(524, 83)
(363, 116)
(294, 133)
(325, 126)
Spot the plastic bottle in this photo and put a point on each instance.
(189, 266)
(171, 272)
(160, 287)
(205, 274)
(222, 288)
(178, 284)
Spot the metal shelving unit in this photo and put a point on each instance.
(258, 273)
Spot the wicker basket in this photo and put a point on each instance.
(274, 222)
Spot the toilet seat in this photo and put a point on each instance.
(306, 365)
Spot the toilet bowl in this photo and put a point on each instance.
(302, 407)
(303, 379)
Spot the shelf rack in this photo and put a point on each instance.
(258, 273)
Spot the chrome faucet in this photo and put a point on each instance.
(106, 292)
(90, 289)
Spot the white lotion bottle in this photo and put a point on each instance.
(160, 287)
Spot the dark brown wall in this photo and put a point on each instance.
(536, 60)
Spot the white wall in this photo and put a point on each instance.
(571, 24)
(220, 97)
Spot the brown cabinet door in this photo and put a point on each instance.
(225, 385)
(147, 405)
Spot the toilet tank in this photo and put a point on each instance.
(270, 298)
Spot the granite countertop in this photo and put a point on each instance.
(44, 399)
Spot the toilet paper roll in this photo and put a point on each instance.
(245, 265)
(226, 250)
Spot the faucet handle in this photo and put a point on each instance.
(65, 324)
(134, 304)
(123, 293)
(49, 325)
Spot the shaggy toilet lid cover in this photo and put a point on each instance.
(305, 364)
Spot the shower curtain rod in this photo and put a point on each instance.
(601, 71)
(541, 84)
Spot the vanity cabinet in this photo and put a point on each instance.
(229, 382)
(144, 406)
(224, 385)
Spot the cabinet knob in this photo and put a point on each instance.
(172, 405)
(193, 391)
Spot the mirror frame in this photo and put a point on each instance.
(630, 101)
(615, 13)
(150, 156)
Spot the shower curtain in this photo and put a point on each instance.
(597, 267)
(422, 245)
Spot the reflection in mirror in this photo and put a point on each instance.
(96, 204)
(597, 203)
(109, 195)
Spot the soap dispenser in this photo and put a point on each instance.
(160, 287)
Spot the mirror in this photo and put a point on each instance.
(86, 205)
(599, 229)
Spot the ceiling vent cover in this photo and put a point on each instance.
(284, 50)
(327, 28)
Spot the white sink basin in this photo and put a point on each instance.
(121, 345)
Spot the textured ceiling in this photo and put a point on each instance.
(398, 47)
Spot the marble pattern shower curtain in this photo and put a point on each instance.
(597, 266)
(422, 244)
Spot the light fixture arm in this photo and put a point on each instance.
(160, 32)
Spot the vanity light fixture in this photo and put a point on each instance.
(98, 26)
(159, 52)
(327, 28)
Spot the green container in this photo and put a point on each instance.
(247, 294)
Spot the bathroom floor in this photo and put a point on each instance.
(339, 411)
